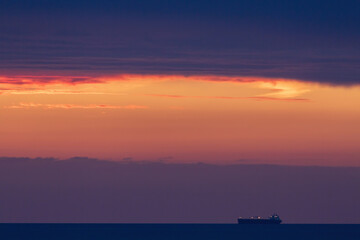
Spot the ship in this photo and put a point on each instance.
(273, 219)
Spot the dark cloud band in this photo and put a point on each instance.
(298, 39)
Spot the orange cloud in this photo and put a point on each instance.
(74, 106)
(44, 80)
(280, 89)
(49, 92)
(225, 97)
(283, 89)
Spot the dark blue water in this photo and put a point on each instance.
(177, 231)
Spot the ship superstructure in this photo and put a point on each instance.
(273, 219)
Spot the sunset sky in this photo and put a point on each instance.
(179, 111)
(175, 118)
(270, 82)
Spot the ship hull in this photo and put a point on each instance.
(258, 221)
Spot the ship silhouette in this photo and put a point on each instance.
(273, 219)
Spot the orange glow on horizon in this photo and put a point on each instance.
(217, 119)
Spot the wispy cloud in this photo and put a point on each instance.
(280, 89)
(73, 80)
(283, 90)
(50, 92)
(74, 106)
(44, 80)
(230, 98)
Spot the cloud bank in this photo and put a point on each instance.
(90, 190)
(304, 40)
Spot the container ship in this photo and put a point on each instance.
(273, 219)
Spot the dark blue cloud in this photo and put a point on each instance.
(307, 40)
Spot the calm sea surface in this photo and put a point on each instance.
(178, 231)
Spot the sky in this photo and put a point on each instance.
(274, 82)
(81, 190)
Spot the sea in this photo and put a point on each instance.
(178, 231)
